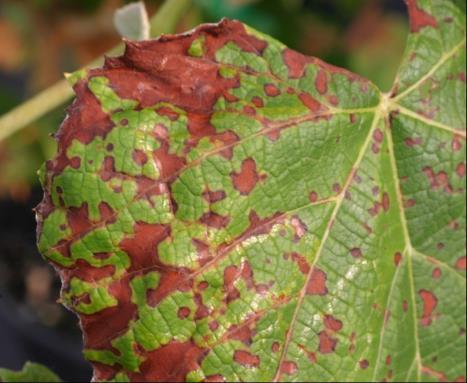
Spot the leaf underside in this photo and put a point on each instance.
(224, 208)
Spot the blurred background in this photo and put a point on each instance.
(41, 39)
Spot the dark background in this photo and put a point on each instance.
(41, 39)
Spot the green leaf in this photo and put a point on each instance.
(31, 372)
(224, 208)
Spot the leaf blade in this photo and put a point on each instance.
(246, 219)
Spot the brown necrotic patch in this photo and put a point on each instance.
(321, 82)
(397, 258)
(436, 273)
(243, 333)
(429, 304)
(246, 179)
(139, 157)
(300, 260)
(356, 252)
(413, 141)
(215, 220)
(271, 90)
(460, 169)
(311, 103)
(327, 344)
(461, 263)
(438, 180)
(332, 323)
(313, 196)
(234, 273)
(363, 364)
(317, 283)
(419, 18)
(245, 358)
(288, 367)
(170, 363)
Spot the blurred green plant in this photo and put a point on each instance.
(31, 372)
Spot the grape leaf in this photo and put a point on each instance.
(224, 208)
(31, 372)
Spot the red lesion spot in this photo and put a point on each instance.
(378, 137)
(75, 162)
(332, 323)
(364, 364)
(440, 376)
(310, 102)
(300, 260)
(456, 143)
(313, 196)
(460, 169)
(413, 141)
(169, 363)
(258, 102)
(336, 187)
(242, 333)
(356, 252)
(388, 360)
(436, 273)
(397, 258)
(161, 132)
(461, 263)
(213, 325)
(183, 312)
(275, 347)
(327, 344)
(429, 304)
(438, 180)
(295, 62)
(317, 283)
(333, 100)
(246, 358)
(212, 219)
(214, 196)
(299, 227)
(405, 305)
(321, 82)
(419, 18)
(271, 90)
(231, 274)
(245, 180)
(288, 367)
(384, 204)
(139, 157)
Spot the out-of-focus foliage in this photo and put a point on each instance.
(31, 372)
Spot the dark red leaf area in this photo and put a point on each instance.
(418, 17)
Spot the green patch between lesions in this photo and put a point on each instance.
(266, 266)
(152, 327)
(88, 297)
(197, 47)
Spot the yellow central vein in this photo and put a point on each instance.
(407, 251)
